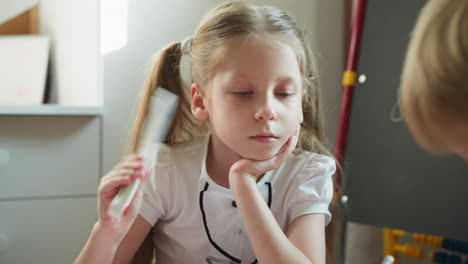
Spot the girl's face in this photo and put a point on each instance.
(254, 102)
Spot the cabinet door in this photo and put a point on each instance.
(49, 156)
(45, 231)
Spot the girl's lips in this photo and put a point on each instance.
(265, 139)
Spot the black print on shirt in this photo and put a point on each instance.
(233, 260)
(213, 260)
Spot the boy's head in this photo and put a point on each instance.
(434, 84)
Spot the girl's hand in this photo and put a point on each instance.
(251, 169)
(124, 173)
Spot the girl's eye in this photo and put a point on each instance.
(285, 94)
(243, 93)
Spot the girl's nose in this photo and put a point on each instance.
(266, 112)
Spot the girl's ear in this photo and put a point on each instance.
(197, 101)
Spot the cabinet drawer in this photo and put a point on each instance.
(48, 156)
(45, 231)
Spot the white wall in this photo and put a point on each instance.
(75, 62)
(12, 8)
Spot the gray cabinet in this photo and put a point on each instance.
(49, 174)
(49, 156)
(45, 231)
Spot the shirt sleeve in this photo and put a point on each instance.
(313, 188)
(154, 204)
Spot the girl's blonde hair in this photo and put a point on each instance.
(223, 25)
(434, 88)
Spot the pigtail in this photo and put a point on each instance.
(159, 75)
(165, 73)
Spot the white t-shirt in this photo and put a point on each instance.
(195, 220)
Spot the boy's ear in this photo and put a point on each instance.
(197, 103)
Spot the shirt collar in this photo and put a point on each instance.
(205, 178)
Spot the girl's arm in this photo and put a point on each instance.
(103, 245)
(108, 233)
(305, 239)
(307, 233)
(132, 240)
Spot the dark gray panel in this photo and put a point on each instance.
(390, 181)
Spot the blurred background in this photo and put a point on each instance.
(70, 76)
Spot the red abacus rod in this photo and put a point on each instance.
(349, 80)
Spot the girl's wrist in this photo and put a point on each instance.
(241, 181)
(108, 231)
(101, 245)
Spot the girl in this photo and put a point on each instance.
(434, 89)
(244, 176)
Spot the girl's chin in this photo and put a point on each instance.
(263, 155)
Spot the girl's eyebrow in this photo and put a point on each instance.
(239, 76)
(284, 79)
(287, 80)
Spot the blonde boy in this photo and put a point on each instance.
(434, 83)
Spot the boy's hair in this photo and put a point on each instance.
(225, 24)
(434, 87)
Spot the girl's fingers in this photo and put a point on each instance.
(141, 173)
(123, 175)
(114, 184)
(109, 190)
(135, 204)
(145, 172)
(293, 145)
(257, 168)
(297, 135)
(129, 158)
(132, 156)
(117, 173)
(282, 155)
(124, 171)
(131, 175)
(288, 147)
(129, 164)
